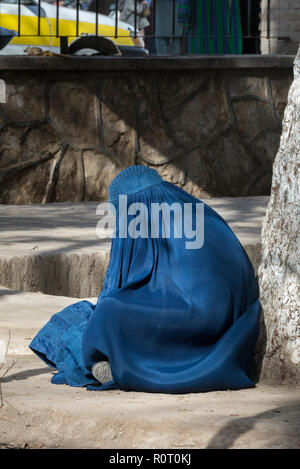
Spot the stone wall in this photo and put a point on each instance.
(284, 26)
(211, 125)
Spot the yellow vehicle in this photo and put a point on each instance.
(28, 23)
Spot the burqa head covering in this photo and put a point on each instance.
(174, 315)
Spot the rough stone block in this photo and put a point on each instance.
(248, 86)
(73, 110)
(26, 186)
(202, 117)
(99, 171)
(253, 116)
(25, 101)
(70, 177)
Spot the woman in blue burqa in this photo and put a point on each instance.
(177, 314)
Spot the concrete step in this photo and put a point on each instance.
(39, 414)
(53, 248)
(22, 314)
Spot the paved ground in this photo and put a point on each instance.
(36, 242)
(22, 314)
(37, 414)
(54, 249)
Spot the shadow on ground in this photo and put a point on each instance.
(22, 375)
(229, 433)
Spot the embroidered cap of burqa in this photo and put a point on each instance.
(172, 317)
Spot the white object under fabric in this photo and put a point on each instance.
(102, 372)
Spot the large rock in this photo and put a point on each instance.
(254, 117)
(99, 171)
(70, 178)
(279, 272)
(203, 117)
(25, 101)
(27, 155)
(118, 137)
(74, 113)
(25, 185)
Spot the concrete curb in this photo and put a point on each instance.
(38, 414)
(53, 248)
(90, 64)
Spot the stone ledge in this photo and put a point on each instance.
(53, 248)
(23, 314)
(39, 414)
(204, 62)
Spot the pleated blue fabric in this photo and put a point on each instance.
(169, 319)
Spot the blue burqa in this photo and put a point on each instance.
(169, 319)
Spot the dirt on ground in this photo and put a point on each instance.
(38, 414)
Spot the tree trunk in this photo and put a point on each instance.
(279, 272)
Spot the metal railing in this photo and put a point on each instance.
(192, 26)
